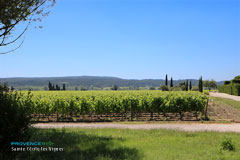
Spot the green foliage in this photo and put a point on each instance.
(182, 85)
(102, 102)
(226, 82)
(4, 87)
(236, 81)
(171, 83)
(50, 86)
(206, 92)
(82, 88)
(14, 120)
(225, 89)
(210, 84)
(57, 88)
(237, 78)
(114, 87)
(195, 88)
(14, 12)
(18, 10)
(227, 144)
(213, 84)
(166, 80)
(232, 88)
(176, 88)
(186, 87)
(89, 82)
(64, 86)
(236, 89)
(164, 88)
(152, 88)
(200, 84)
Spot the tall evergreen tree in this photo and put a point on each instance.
(200, 84)
(57, 87)
(186, 86)
(171, 83)
(190, 86)
(64, 86)
(49, 86)
(166, 80)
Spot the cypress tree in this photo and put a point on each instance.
(166, 80)
(190, 86)
(171, 83)
(64, 86)
(186, 86)
(200, 85)
(50, 86)
(57, 87)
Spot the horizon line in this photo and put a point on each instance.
(100, 76)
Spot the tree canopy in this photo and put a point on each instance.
(13, 12)
(210, 84)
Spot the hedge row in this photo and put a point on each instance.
(233, 89)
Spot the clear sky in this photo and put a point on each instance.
(132, 39)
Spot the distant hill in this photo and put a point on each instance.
(87, 81)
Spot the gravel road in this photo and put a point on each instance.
(224, 95)
(193, 127)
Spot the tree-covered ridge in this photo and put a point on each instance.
(90, 81)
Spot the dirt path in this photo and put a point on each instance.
(194, 127)
(224, 95)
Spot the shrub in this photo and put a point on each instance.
(4, 87)
(237, 78)
(114, 87)
(225, 89)
(176, 88)
(182, 85)
(14, 121)
(233, 89)
(164, 88)
(226, 82)
(195, 88)
(152, 88)
(236, 81)
(236, 89)
(228, 145)
(206, 92)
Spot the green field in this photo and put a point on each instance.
(115, 144)
(75, 103)
(227, 101)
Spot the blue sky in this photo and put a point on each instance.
(132, 39)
